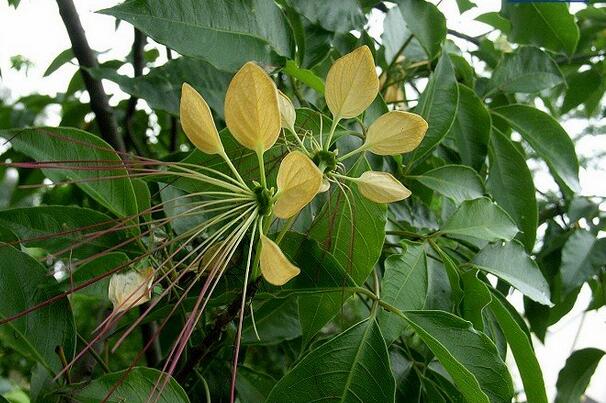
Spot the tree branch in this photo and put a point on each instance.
(138, 64)
(461, 35)
(86, 58)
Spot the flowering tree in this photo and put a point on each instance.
(300, 213)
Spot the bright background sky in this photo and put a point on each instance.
(35, 31)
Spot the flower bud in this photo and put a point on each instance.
(351, 84)
(275, 267)
(252, 113)
(288, 115)
(127, 290)
(299, 180)
(395, 132)
(197, 121)
(381, 187)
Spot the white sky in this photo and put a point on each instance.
(35, 31)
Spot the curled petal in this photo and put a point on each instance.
(395, 132)
(287, 112)
(252, 113)
(381, 187)
(275, 267)
(197, 121)
(127, 290)
(299, 180)
(352, 83)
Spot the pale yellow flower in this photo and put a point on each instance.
(127, 290)
(351, 84)
(275, 267)
(381, 187)
(197, 121)
(252, 113)
(288, 115)
(299, 180)
(395, 132)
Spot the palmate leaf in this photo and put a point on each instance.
(351, 367)
(225, 34)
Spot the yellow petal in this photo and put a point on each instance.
(251, 108)
(381, 187)
(275, 267)
(197, 121)
(299, 180)
(395, 132)
(352, 83)
(127, 290)
(325, 186)
(287, 112)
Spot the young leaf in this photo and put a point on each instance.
(457, 182)
(548, 139)
(351, 367)
(470, 357)
(480, 218)
(574, 378)
(511, 263)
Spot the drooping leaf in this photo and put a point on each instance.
(404, 286)
(395, 35)
(470, 357)
(553, 27)
(511, 263)
(224, 34)
(548, 138)
(475, 299)
(457, 182)
(426, 22)
(574, 378)
(480, 218)
(495, 20)
(527, 70)
(49, 144)
(510, 183)
(471, 128)
(582, 257)
(519, 340)
(351, 367)
(135, 386)
(276, 320)
(438, 105)
(23, 284)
